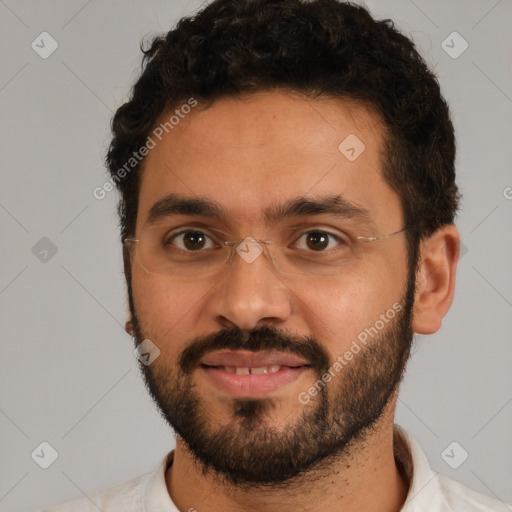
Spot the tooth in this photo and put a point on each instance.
(259, 371)
(243, 370)
(230, 369)
(273, 368)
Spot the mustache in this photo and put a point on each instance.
(261, 338)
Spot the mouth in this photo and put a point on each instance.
(244, 374)
(247, 370)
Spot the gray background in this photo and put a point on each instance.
(69, 376)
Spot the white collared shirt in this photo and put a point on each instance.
(428, 491)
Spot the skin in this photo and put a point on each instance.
(245, 154)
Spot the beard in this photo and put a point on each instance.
(251, 448)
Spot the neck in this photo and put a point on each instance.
(367, 479)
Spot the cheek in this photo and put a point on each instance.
(338, 314)
(340, 310)
(165, 309)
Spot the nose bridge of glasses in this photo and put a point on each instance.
(248, 250)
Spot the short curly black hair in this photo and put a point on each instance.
(315, 47)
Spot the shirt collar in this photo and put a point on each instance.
(154, 494)
(424, 489)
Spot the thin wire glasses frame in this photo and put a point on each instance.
(186, 265)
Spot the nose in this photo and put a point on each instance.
(251, 293)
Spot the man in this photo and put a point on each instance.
(288, 195)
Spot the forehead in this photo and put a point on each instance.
(248, 153)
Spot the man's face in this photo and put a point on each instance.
(250, 156)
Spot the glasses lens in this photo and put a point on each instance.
(314, 253)
(187, 254)
(196, 253)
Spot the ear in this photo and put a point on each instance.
(435, 279)
(128, 326)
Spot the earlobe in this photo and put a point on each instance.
(435, 279)
(128, 326)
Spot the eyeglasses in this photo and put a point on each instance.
(193, 253)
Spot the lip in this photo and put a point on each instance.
(246, 358)
(252, 386)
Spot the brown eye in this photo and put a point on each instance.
(191, 240)
(194, 240)
(317, 241)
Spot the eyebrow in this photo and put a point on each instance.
(176, 204)
(337, 205)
